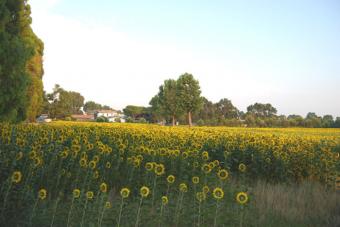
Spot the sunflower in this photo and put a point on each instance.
(124, 192)
(96, 174)
(195, 180)
(19, 156)
(242, 198)
(223, 174)
(216, 162)
(183, 187)
(83, 162)
(206, 168)
(16, 177)
(96, 158)
(218, 193)
(149, 166)
(205, 189)
(159, 169)
(89, 195)
(76, 193)
(108, 205)
(92, 164)
(103, 187)
(205, 155)
(165, 200)
(201, 196)
(170, 179)
(242, 167)
(108, 165)
(144, 191)
(42, 194)
(185, 155)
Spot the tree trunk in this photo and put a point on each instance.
(189, 119)
(173, 120)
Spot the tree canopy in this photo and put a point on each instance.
(21, 90)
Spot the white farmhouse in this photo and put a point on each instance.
(111, 115)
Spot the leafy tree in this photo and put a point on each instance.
(14, 55)
(166, 103)
(226, 109)
(327, 121)
(262, 110)
(91, 106)
(189, 95)
(337, 123)
(64, 103)
(207, 114)
(133, 111)
(34, 66)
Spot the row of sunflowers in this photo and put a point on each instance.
(83, 174)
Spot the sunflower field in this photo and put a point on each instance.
(103, 174)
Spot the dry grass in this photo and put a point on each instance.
(306, 204)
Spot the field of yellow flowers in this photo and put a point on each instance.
(97, 174)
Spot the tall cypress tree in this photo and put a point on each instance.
(18, 50)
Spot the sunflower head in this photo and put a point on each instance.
(242, 167)
(218, 193)
(124, 193)
(206, 168)
(89, 195)
(223, 174)
(170, 179)
(149, 166)
(165, 200)
(183, 187)
(159, 169)
(92, 164)
(205, 189)
(242, 198)
(144, 191)
(76, 193)
(103, 187)
(42, 194)
(195, 180)
(201, 196)
(108, 205)
(16, 177)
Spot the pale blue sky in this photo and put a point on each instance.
(283, 52)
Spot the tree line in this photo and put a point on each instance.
(61, 104)
(180, 101)
(21, 68)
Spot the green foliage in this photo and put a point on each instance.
(189, 95)
(21, 88)
(64, 103)
(102, 119)
(15, 52)
(92, 106)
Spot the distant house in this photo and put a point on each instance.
(83, 117)
(43, 118)
(111, 115)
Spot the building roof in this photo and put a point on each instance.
(83, 116)
(105, 111)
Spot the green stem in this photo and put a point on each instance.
(179, 208)
(160, 216)
(82, 218)
(215, 219)
(199, 214)
(153, 191)
(55, 210)
(140, 204)
(33, 211)
(69, 213)
(5, 200)
(120, 211)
